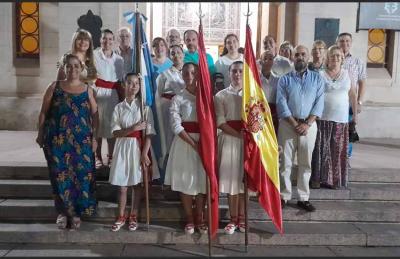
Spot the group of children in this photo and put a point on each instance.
(184, 169)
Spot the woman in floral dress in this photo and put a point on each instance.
(67, 122)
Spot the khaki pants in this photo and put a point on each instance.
(304, 145)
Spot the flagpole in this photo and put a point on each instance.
(142, 111)
(246, 190)
(208, 184)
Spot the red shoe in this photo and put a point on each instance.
(133, 225)
(118, 224)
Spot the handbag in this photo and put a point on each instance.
(353, 135)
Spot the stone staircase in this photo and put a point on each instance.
(366, 214)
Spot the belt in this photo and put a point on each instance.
(191, 126)
(106, 84)
(168, 96)
(235, 124)
(300, 120)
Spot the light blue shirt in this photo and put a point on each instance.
(300, 96)
(194, 58)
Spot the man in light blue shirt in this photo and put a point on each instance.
(190, 38)
(299, 102)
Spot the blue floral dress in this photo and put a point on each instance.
(69, 155)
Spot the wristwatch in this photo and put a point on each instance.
(308, 123)
(359, 102)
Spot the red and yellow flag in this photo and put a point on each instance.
(261, 158)
(208, 131)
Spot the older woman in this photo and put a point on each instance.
(318, 56)
(329, 162)
(169, 83)
(161, 61)
(229, 55)
(82, 47)
(68, 120)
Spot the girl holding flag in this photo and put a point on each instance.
(185, 172)
(228, 104)
(131, 152)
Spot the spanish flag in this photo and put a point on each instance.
(260, 144)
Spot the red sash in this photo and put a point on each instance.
(106, 84)
(138, 135)
(236, 124)
(168, 96)
(191, 126)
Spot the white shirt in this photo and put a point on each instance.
(228, 105)
(336, 100)
(222, 66)
(109, 69)
(126, 115)
(170, 81)
(183, 108)
(269, 87)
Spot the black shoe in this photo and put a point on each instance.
(306, 205)
(283, 203)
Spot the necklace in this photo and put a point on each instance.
(335, 77)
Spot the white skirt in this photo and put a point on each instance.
(230, 153)
(106, 100)
(166, 134)
(126, 169)
(185, 172)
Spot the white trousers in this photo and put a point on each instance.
(304, 145)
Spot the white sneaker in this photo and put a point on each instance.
(230, 228)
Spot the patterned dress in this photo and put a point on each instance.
(69, 155)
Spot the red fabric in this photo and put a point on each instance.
(106, 84)
(236, 125)
(208, 130)
(138, 134)
(191, 126)
(258, 179)
(168, 96)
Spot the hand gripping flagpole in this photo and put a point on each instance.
(246, 190)
(208, 188)
(143, 108)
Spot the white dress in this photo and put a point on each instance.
(185, 172)
(222, 66)
(168, 82)
(228, 104)
(125, 167)
(108, 69)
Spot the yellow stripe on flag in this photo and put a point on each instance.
(265, 139)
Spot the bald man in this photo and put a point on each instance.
(300, 101)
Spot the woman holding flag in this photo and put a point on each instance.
(228, 104)
(185, 172)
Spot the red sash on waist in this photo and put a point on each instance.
(235, 124)
(106, 84)
(135, 134)
(191, 126)
(168, 96)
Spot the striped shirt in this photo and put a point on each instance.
(356, 68)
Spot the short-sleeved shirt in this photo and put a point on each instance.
(222, 66)
(127, 56)
(194, 58)
(357, 69)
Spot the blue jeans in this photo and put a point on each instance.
(350, 147)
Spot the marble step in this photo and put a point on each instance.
(261, 233)
(26, 172)
(14, 210)
(41, 189)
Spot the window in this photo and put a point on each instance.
(27, 30)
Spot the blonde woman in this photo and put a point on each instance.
(82, 47)
(329, 162)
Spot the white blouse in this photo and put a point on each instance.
(336, 100)
(228, 105)
(183, 108)
(222, 66)
(126, 115)
(109, 69)
(170, 81)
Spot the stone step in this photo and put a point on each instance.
(12, 210)
(261, 233)
(41, 189)
(26, 172)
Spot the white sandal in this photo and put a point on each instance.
(61, 221)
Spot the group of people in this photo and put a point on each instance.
(96, 95)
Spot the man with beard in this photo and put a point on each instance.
(300, 101)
